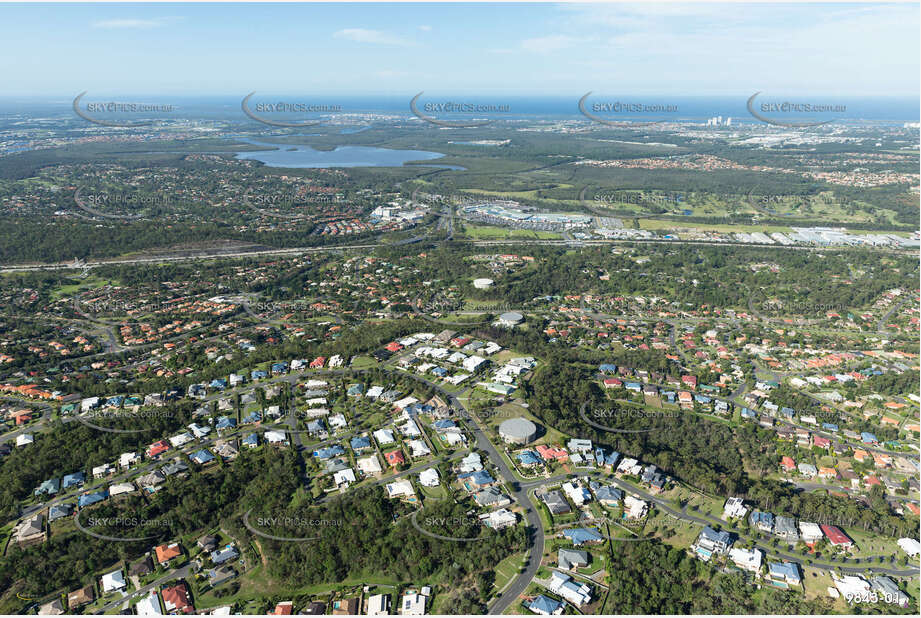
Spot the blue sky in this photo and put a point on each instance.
(557, 49)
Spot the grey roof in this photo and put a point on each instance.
(785, 527)
(555, 502)
(518, 428)
(571, 557)
(489, 496)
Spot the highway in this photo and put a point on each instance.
(294, 251)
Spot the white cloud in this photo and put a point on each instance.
(375, 37)
(425, 28)
(112, 24)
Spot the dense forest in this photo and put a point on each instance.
(200, 501)
(389, 544)
(264, 482)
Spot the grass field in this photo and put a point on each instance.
(90, 283)
(506, 570)
(363, 362)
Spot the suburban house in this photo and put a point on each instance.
(545, 606)
(167, 552)
(555, 502)
(568, 559)
(81, 597)
(785, 528)
(810, 533)
(747, 559)
(712, 542)
(784, 574)
(583, 536)
(575, 592)
(734, 507)
(836, 537)
(176, 599)
(762, 521)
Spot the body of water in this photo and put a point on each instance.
(305, 156)
(689, 108)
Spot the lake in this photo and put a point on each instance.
(304, 156)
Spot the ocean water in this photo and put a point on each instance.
(689, 108)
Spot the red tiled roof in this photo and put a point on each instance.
(835, 535)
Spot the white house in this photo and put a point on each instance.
(24, 439)
(810, 532)
(181, 439)
(472, 362)
(344, 477)
(502, 518)
(384, 436)
(126, 460)
(113, 581)
(578, 494)
(412, 604)
(120, 488)
(635, 508)
(276, 437)
(429, 478)
(910, 546)
(379, 605)
(748, 559)
(400, 488)
(734, 507)
(374, 392)
(573, 591)
(102, 471)
(369, 465)
(851, 586)
(471, 463)
(406, 401)
(149, 605)
(419, 448)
